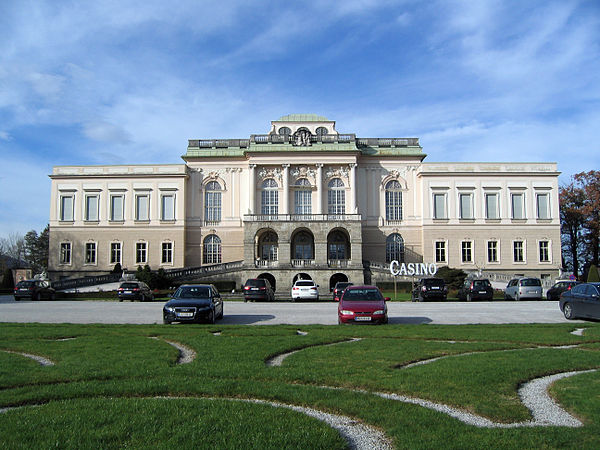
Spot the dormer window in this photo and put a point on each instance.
(285, 131)
(321, 131)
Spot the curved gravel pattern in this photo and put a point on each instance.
(186, 354)
(277, 360)
(40, 359)
(301, 333)
(578, 331)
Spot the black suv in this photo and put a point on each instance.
(339, 288)
(476, 289)
(430, 289)
(258, 289)
(558, 288)
(34, 289)
(134, 290)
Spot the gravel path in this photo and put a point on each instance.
(277, 360)
(40, 359)
(186, 354)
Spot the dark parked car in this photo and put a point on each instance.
(339, 288)
(528, 288)
(581, 301)
(194, 303)
(258, 289)
(430, 289)
(476, 289)
(362, 304)
(35, 290)
(134, 290)
(558, 288)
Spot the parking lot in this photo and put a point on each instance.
(324, 312)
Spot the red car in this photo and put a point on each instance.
(362, 304)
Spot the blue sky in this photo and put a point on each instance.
(123, 82)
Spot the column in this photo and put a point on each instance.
(353, 188)
(286, 190)
(319, 204)
(251, 189)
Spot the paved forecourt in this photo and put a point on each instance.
(281, 312)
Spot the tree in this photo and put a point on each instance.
(571, 198)
(13, 246)
(590, 185)
(36, 249)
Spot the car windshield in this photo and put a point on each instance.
(129, 285)
(342, 285)
(25, 283)
(481, 284)
(433, 282)
(192, 292)
(358, 295)
(305, 283)
(531, 282)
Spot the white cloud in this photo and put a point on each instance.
(4, 136)
(106, 132)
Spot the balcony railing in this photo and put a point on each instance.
(266, 263)
(301, 217)
(303, 262)
(290, 139)
(342, 263)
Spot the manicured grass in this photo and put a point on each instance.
(102, 391)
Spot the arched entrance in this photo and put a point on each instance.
(335, 278)
(301, 276)
(271, 278)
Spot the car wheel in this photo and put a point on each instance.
(211, 317)
(469, 298)
(53, 296)
(38, 296)
(517, 297)
(120, 299)
(420, 298)
(568, 311)
(166, 322)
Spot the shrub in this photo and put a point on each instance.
(454, 278)
(593, 274)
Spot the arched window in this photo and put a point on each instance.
(285, 131)
(302, 197)
(336, 197)
(394, 248)
(212, 249)
(269, 197)
(212, 202)
(338, 246)
(393, 200)
(268, 246)
(321, 131)
(303, 246)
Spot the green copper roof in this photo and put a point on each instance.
(303, 118)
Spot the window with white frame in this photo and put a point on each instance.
(467, 251)
(439, 206)
(66, 207)
(543, 206)
(517, 202)
(142, 207)
(91, 207)
(167, 253)
(519, 251)
(544, 251)
(269, 197)
(117, 202)
(492, 252)
(167, 207)
(212, 202)
(336, 197)
(65, 253)
(141, 252)
(465, 204)
(115, 252)
(394, 248)
(491, 206)
(90, 253)
(440, 251)
(212, 249)
(393, 200)
(303, 197)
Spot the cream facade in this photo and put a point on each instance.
(306, 201)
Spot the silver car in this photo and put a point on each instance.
(524, 288)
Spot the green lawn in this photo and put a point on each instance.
(108, 386)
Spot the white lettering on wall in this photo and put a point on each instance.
(412, 269)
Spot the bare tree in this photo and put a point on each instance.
(13, 246)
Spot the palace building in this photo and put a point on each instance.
(305, 201)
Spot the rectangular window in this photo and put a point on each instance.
(543, 206)
(213, 206)
(167, 207)
(492, 251)
(491, 206)
(466, 206)
(467, 251)
(91, 208)
(167, 253)
(517, 204)
(66, 208)
(302, 202)
(115, 252)
(544, 251)
(142, 207)
(439, 206)
(440, 251)
(116, 208)
(141, 250)
(518, 251)
(65, 253)
(90, 253)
